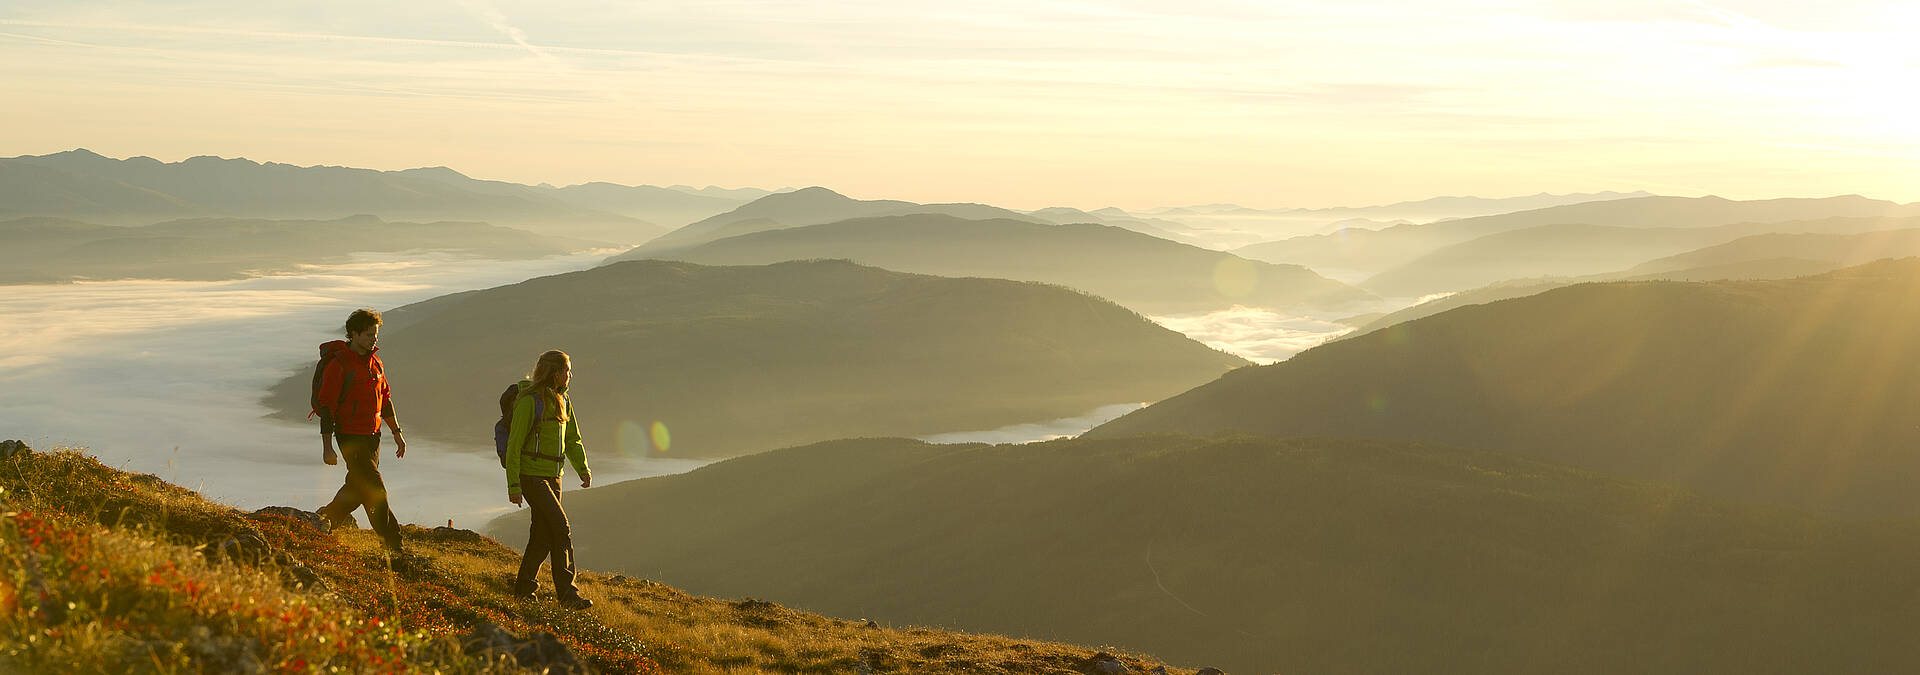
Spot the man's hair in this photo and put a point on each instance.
(361, 319)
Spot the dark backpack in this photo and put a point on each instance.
(504, 428)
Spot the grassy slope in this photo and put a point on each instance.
(1796, 392)
(743, 359)
(1262, 555)
(104, 571)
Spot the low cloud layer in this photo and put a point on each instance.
(1256, 335)
(165, 377)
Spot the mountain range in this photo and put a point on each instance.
(83, 185)
(40, 250)
(1365, 253)
(1145, 273)
(1576, 250)
(695, 361)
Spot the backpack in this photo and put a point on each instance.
(319, 370)
(504, 428)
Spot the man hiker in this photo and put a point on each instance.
(352, 399)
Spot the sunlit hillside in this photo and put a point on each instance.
(688, 360)
(1264, 555)
(109, 572)
(1791, 392)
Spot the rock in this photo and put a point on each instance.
(751, 605)
(310, 519)
(455, 535)
(224, 653)
(11, 449)
(870, 623)
(1209, 671)
(1105, 664)
(542, 652)
(243, 546)
(1158, 670)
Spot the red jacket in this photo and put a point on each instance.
(353, 391)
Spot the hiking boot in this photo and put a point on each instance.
(575, 603)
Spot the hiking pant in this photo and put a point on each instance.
(548, 535)
(364, 488)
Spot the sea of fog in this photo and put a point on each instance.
(166, 377)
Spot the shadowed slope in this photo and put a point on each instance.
(1145, 273)
(1796, 392)
(740, 359)
(1265, 555)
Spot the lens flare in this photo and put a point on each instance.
(660, 438)
(631, 439)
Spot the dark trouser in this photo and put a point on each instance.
(364, 488)
(549, 535)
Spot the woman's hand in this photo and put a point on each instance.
(514, 498)
(586, 481)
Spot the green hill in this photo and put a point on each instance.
(1794, 392)
(742, 359)
(103, 571)
(1145, 273)
(1266, 555)
(54, 249)
(1371, 252)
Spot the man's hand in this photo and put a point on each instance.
(586, 481)
(514, 498)
(401, 443)
(326, 450)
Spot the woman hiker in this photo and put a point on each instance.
(542, 430)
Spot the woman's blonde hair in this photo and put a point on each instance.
(544, 371)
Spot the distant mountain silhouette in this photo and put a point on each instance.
(1370, 252)
(1795, 392)
(1772, 268)
(83, 185)
(1145, 273)
(1248, 225)
(643, 202)
(1265, 555)
(55, 249)
(1836, 249)
(1158, 227)
(741, 359)
(1575, 250)
(808, 206)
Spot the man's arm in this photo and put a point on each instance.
(576, 451)
(393, 421)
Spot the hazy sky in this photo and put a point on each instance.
(1023, 103)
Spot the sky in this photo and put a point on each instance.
(1019, 103)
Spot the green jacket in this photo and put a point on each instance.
(555, 438)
